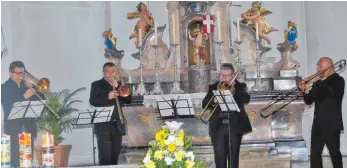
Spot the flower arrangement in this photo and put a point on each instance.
(170, 149)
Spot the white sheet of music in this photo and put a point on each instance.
(182, 104)
(85, 117)
(103, 114)
(35, 109)
(18, 110)
(165, 107)
(230, 102)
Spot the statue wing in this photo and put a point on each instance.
(264, 12)
(150, 17)
(133, 15)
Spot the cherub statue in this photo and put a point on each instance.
(257, 15)
(290, 35)
(110, 41)
(111, 51)
(145, 23)
(198, 38)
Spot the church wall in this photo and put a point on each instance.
(46, 35)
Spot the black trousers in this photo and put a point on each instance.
(220, 142)
(318, 140)
(109, 147)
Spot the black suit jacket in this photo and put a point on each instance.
(327, 96)
(239, 120)
(99, 98)
(11, 93)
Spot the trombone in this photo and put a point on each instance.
(269, 108)
(207, 112)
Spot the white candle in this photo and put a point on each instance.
(155, 34)
(256, 31)
(238, 29)
(140, 37)
(173, 29)
(219, 27)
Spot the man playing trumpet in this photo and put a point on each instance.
(327, 93)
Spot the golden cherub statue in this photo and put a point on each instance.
(257, 15)
(145, 23)
(110, 41)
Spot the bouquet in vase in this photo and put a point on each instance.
(170, 149)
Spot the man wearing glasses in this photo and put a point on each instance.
(16, 89)
(219, 122)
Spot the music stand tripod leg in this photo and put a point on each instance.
(93, 144)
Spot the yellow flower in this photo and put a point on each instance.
(150, 164)
(171, 147)
(179, 155)
(160, 135)
(179, 142)
(159, 154)
(189, 164)
(162, 142)
(181, 134)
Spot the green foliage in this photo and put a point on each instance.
(62, 121)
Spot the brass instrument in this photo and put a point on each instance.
(208, 112)
(41, 85)
(267, 111)
(124, 91)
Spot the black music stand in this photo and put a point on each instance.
(26, 109)
(227, 104)
(92, 116)
(175, 106)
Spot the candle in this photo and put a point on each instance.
(140, 38)
(155, 34)
(47, 150)
(219, 27)
(173, 29)
(238, 29)
(5, 150)
(256, 31)
(25, 156)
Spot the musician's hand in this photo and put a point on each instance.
(115, 83)
(28, 93)
(28, 83)
(302, 86)
(113, 94)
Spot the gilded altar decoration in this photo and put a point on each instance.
(198, 45)
(145, 24)
(170, 148)
(111, 51)
(256, 15)
(290, 35)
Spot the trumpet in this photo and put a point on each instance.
(269, 108)
(41, 85)
(207, 112)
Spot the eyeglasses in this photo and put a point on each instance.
(19, 73)
(226, 76)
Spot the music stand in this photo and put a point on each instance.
(26, 109)
(92, 116)
(226, 102)
(175, 106)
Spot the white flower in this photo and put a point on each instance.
(170, 139)
(147, 158)
(169, 160)
(190, 155)
(174, 125)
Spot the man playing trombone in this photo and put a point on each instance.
(16, 89)
(327, 94)
(218, 123)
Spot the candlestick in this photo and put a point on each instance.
(47, 150)
(5, 150)
(155, 34)
(173, 29)
(219, 27)
(157, 88)
(258, 86)
(25, 155)
(219, 43)
(140, 37)
(141, 89)
(176, 85)
(238, 29)
(238, 43)
(256, 32)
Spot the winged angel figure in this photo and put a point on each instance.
(145, 24)
(257, 15)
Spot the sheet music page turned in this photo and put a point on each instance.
(35, 109)
(164, 105)
(184, 104)
(230, 102)
(18, 110)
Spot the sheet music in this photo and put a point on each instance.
(85, 117)
(230, 102)
(35, 109)
(165, 105)
(103, 114)
(18, 110)
(182, 104)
